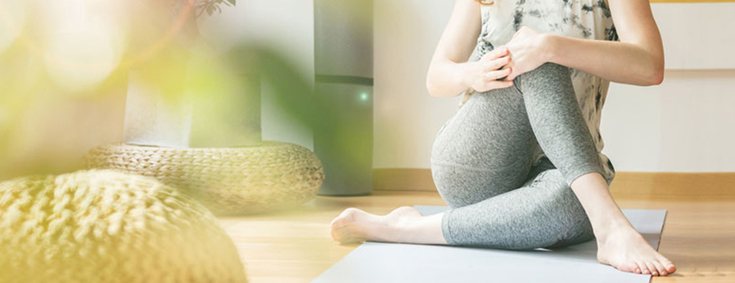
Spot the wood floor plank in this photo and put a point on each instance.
(294, 246)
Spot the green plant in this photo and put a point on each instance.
(211, 6)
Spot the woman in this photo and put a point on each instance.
(520, 162)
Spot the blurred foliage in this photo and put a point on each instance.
(211, 6)
(160, 42)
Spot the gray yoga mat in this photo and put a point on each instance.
(385, 262)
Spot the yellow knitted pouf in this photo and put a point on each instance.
(107, 226)
(244, 180)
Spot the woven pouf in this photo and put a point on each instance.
(107, 226)
(228, 181)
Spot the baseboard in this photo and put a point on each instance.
(403, 179)
(625, 183)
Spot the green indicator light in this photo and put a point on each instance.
(364, 96)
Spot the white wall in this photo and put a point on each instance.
(687, 124)
(406, 118)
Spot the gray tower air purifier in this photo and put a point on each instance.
(343, 38)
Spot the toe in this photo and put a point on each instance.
(651, 268)
(628, 267)
(670, 267)
(660, 268)
(642, 268)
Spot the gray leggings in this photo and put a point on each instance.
(483, 165)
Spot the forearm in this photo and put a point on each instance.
(446, 79)
(446, 76)
(620, 62)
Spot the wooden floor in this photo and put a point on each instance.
(294, 246)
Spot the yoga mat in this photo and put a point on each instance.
(387, 262)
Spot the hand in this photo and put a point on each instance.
(528, 51)
(488, 73)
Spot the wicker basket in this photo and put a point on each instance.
(272, 176)
(107, 226)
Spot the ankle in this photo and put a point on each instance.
(614, 230)
(394, 224)
(397, 226)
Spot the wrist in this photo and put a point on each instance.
(550, 43)
(461, 77)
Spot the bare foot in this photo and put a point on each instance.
(626, 250)
(354, 225)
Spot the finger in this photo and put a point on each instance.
(501, 51)
(511, 76)
(496, 53)
(496, 64)
(495, 75)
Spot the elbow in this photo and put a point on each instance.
(658, 80)
(431, 87)
(428, 85)
(651, 77)
(432, 90)
(657, 75)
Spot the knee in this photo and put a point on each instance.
(547, 88)
(548, 76)
(548, 71)
(449, 185)
(458, 187)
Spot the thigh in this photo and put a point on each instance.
(486, 149)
